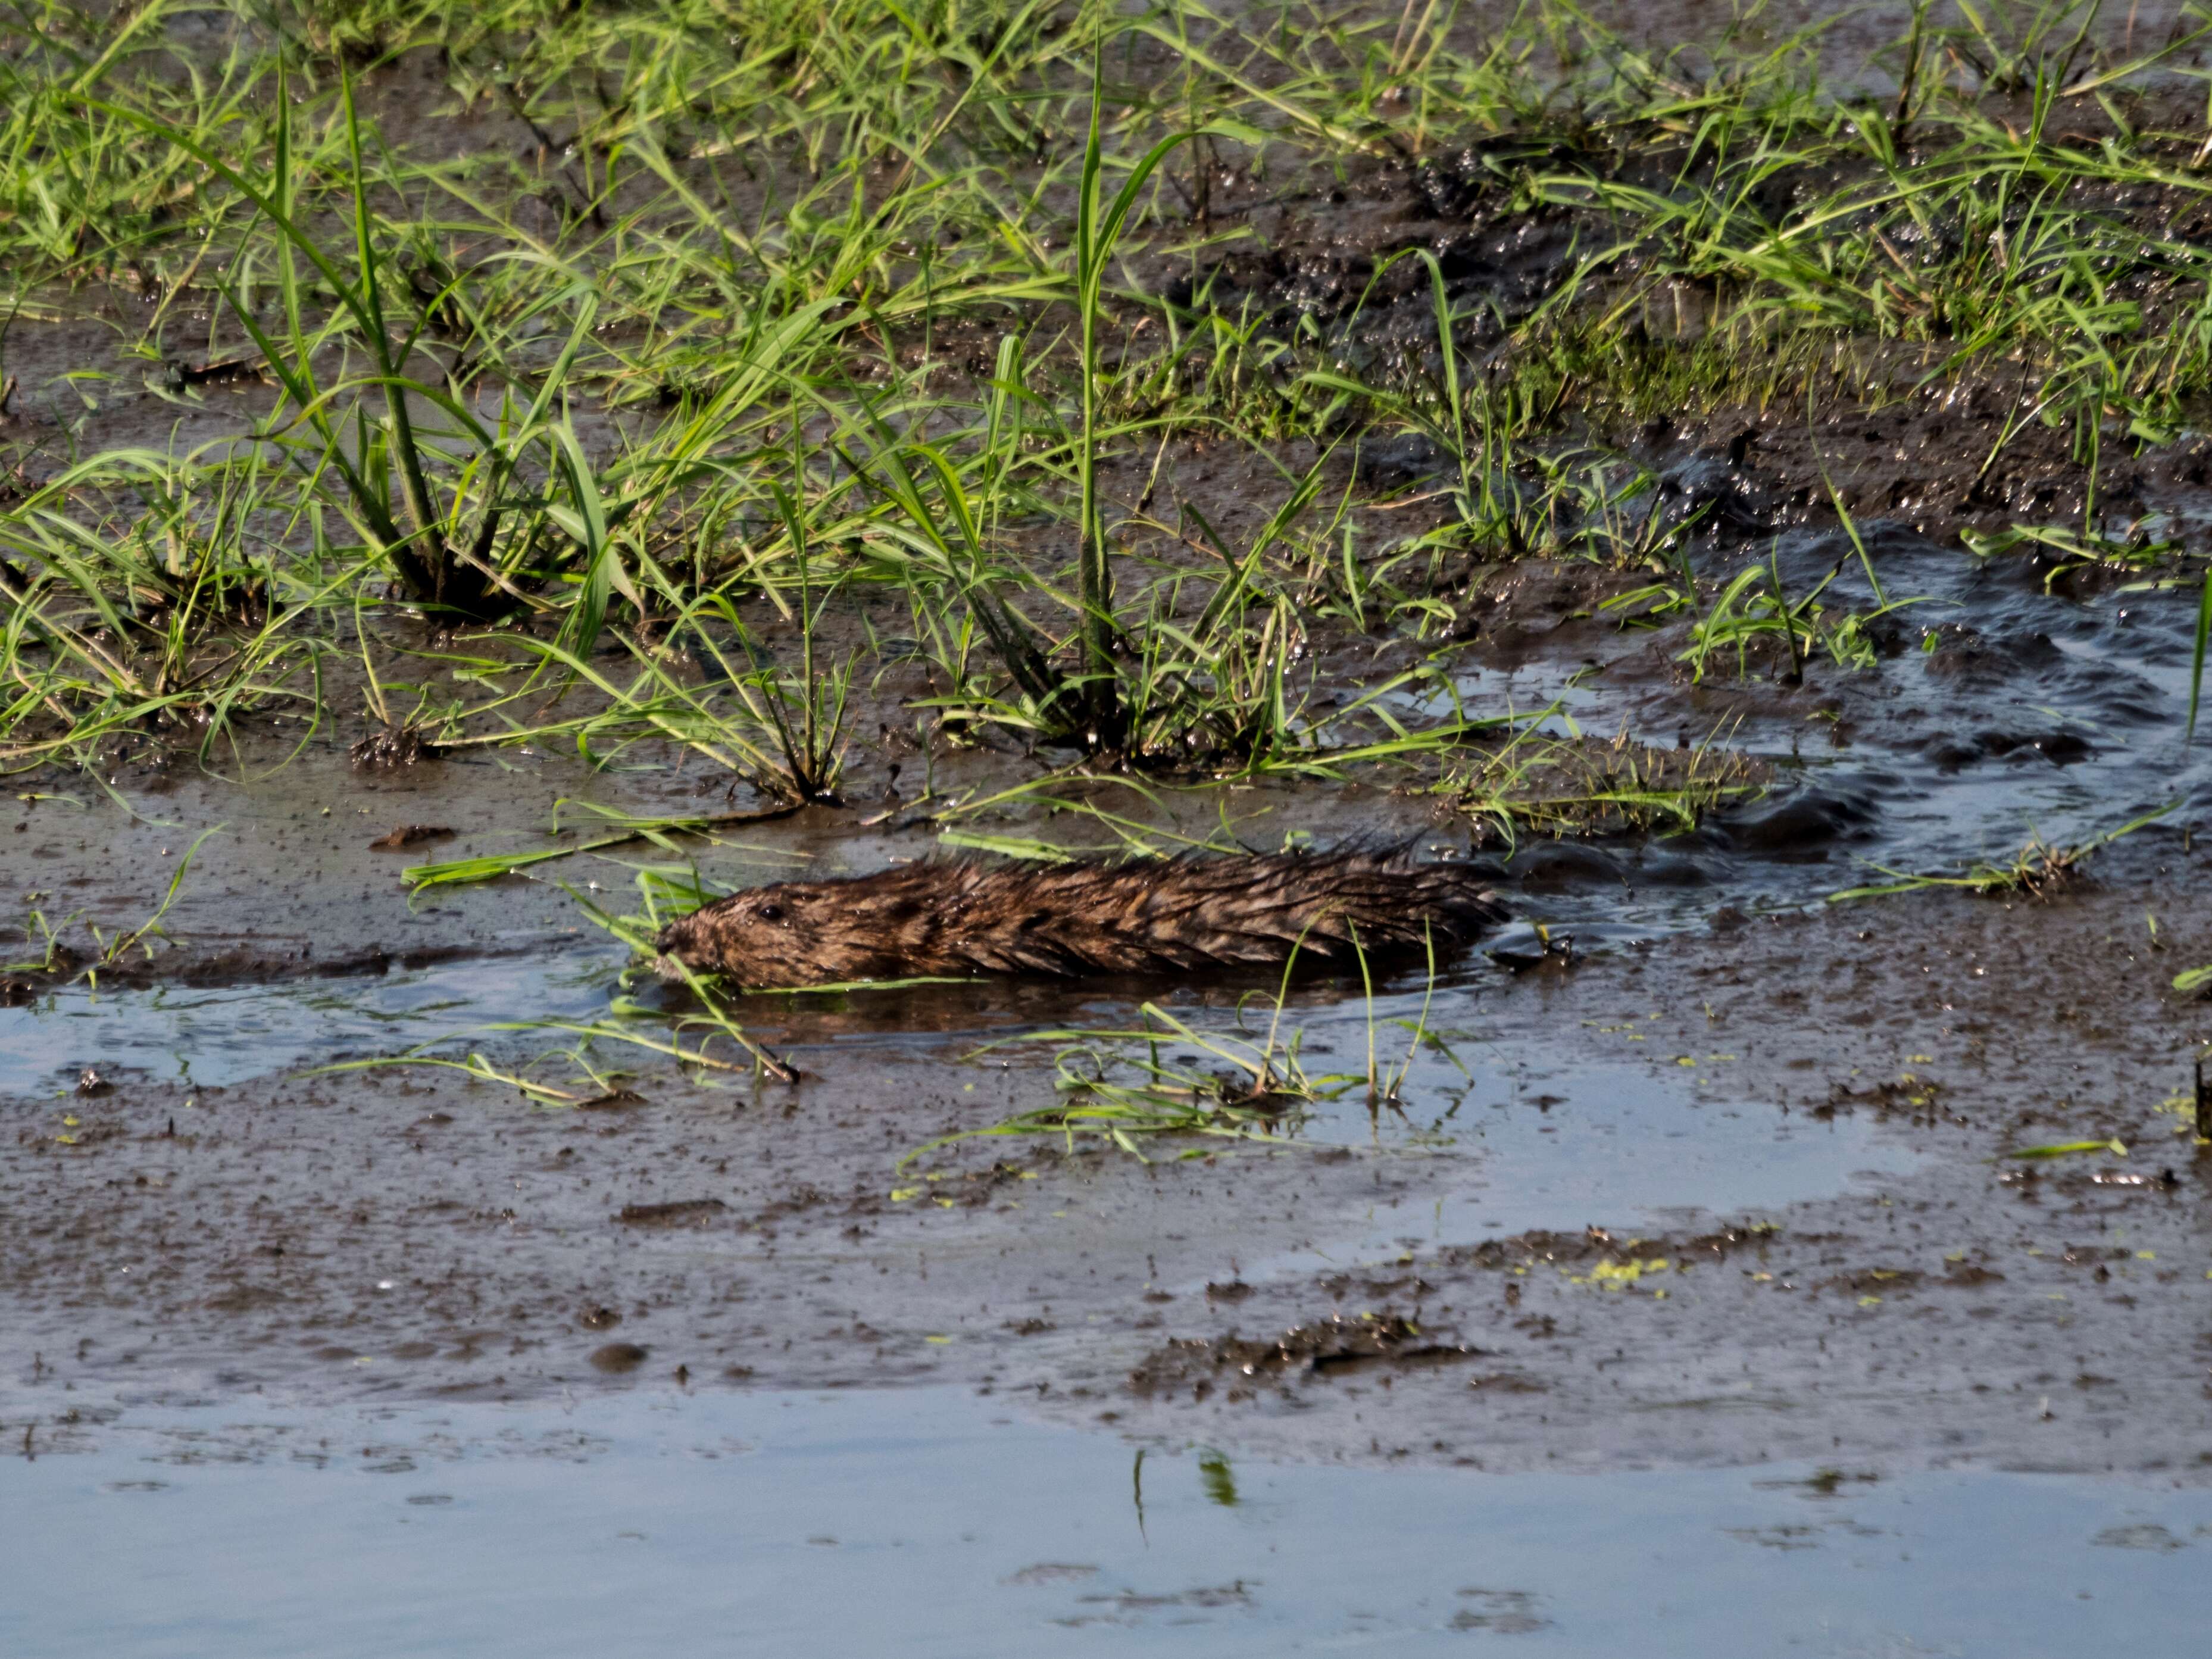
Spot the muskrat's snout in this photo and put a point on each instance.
(677, 947)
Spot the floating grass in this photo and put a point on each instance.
(1538, 783)
(659, 831)
(2038, 868)
(2070, 1149)
(1116, 1086)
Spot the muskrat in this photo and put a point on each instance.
(1183, 916)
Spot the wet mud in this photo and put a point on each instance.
(1815, 1245)
(407, 1233)
(1733, 1177)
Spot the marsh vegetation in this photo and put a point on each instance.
(1147, 387)
(990, 417)
(480, 482)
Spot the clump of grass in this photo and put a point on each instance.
(1118, 1086)
(1755, 614)
(2039, 869)
(380, 476)
(1122, 1088)
(2064, 551)
(761, 326)
(1543, 785)
(58, 962)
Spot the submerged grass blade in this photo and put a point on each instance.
(455, 872)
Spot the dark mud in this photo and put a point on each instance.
(1732, 1182)
(402, 1236)
(1790, 1120)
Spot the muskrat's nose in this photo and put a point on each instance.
(673, 946)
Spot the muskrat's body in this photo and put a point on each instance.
(1188, 914)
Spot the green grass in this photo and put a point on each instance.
(762, 319)
(57, 961)
(1536, 784)
(1250, 1083)
(728, 385)
(2037, 870)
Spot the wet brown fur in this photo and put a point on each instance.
(1184, 916)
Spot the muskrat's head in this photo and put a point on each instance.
(767, 936)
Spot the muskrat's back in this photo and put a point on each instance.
(1181, 916)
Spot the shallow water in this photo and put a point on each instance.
(642, 1517)
(1612, 1144)
(931, 1522)
(2034, 713)
(1537, 1139)
(210, 1036)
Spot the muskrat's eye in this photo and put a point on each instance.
(771, 913)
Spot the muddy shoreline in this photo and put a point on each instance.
(1580, 422)
(408, 1234)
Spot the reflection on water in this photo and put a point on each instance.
(926, 1522)
(1542, 1143)
(211, 1036)
(922, 1522)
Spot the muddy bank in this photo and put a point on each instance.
(1808, 1108)
(1732, 1179)
(404, 1235)
(2031, 1313)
